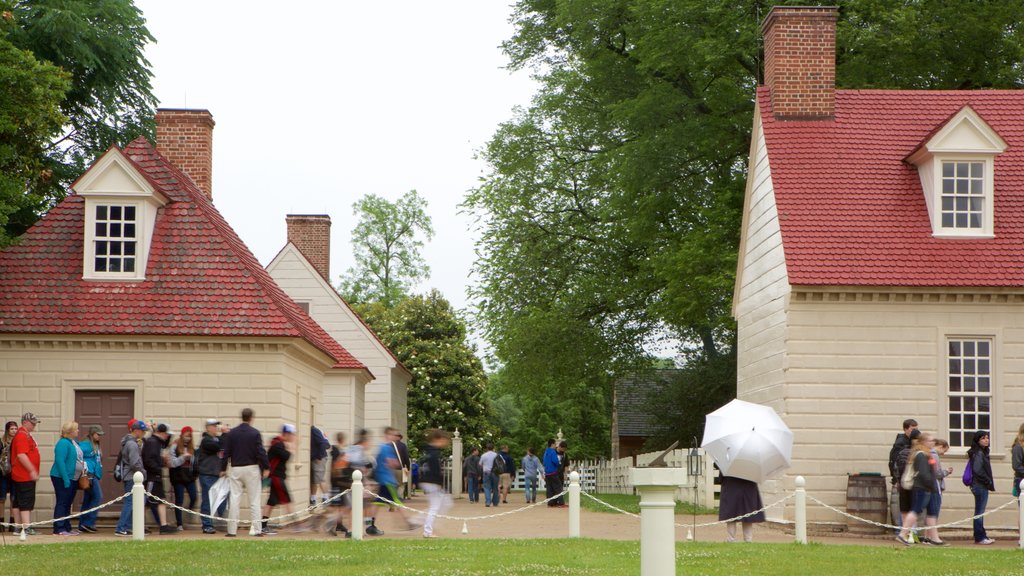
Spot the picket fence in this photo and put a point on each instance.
(611, 476)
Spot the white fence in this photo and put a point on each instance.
(612, 476)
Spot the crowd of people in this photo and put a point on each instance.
(493, 472)
(229, 462)
(919, 479)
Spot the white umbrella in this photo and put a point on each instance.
(748, 441)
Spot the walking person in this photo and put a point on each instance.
(93, 495)
(926, 484)
(739, 497)
(386, 472)
(318, 447)
(6, 482)
(405, 476)
(208, 469)
(508, 472)
(471, 470)
(182, 473)
(432, 479)
(490, 479)
(981, 482)
(68, 466)
(129, 460)
(531, 471)
(341, 480)
(358, 457)
(940, 449)
(243, 450)
(154, 460)
(281, 448)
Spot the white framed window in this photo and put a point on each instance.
(963, 195)
(115, 238)
(970, 385)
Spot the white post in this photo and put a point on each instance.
(657, 487)
(138, 508)
(357, 505)
(801, 510)
(1020, 519)
(574, 504)
(456, 465)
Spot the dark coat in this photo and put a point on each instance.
(243, 446)
(430, 466)
(208, 456)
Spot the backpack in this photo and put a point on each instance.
(968, 477)
(907, 479)
(118, 472)
(5, 459)
(498, 468)
(341, 470)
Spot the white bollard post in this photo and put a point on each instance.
(657, 487)
(1020, 519)
(456, 465)
(357, 505)
(801, 510)
(574, 504)
(138, 508)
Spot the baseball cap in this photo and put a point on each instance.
(212, 421)
(29, 417)
(288, 428)
(131, 423)
(139, 425)
(162, 428)
(94, 429)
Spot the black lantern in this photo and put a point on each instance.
(694, 461)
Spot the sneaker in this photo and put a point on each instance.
(181, 528)
(931, 542)
(268, 532)
(904, 541)
(31, 531)
(209, 530)
(229, 535)
(986, 542)
(168, 529)
(122, 533)
(429, 536)
(62, 533)
(374, 531)
(74, 533)
(88, 529)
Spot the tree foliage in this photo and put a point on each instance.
(386, 243)
(447, 389)
(105, 92)
(612, 208)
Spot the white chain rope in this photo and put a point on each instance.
(704, 525)
(892, 527)
(309, 509)
(466, 518)
(70, 517)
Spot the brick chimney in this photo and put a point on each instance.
(800, 61)
(311, 234)
(185, 137)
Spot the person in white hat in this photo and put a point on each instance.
(208, 468)
(281, 448)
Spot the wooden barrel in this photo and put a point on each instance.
(867, 497)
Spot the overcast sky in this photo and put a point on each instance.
(320, 103)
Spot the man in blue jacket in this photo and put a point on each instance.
(552, 473)
(318, 447)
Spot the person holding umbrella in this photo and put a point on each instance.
(738, 498)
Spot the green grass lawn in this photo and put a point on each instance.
(631, 503)
(488, 557)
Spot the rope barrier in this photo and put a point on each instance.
(704, 525)
(892, 527)
(18, 525)
(467, 518)
(309, 509)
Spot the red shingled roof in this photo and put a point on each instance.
(852, 212)
(201, 279)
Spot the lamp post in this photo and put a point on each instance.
(695, 467)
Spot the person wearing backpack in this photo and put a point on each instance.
(981, 482)
(492, 466)
(6, 482)
(920, 476)
(508, 473)
(129, 461)
(899, 500)
(93, 495)
(341, 480)
(905, 495)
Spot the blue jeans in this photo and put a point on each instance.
(473, 483)
(90, 498)
(124, 523)
(530, 488)
(179, 498)
(205, 483)
(980, 502)
(491, 494)
(65, 497)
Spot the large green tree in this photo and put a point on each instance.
(105, 96)
(447, 389)
(386, 243)
(612, 208)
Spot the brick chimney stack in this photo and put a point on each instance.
(800, 61)
(311, 234)
(185, 137)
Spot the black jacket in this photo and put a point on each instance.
(208, 456)
(318, 444)
(981, 468)
(901, 443)
(243, 446)
(403, 455)
(430, 466)
(278, 455)
(925, 477)
(152, 457)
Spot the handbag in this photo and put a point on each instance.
(83, 480)
(907, 480)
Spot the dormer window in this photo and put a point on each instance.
(956, 166)
(120, 215)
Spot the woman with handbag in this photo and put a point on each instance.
(93, 495)
(919, 477)
(182, 473)
(981, 482)
(67, 470)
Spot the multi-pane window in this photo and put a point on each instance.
(970, 388)
(963, 195)
(115, 238)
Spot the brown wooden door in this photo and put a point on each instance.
(111, 409)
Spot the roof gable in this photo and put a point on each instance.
(113, 174)
(965, 133)
(201, 279)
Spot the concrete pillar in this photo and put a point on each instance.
(801, 510)
(138, 508)
(357, 505)
(574, 504)
(657, 488)
(456, 465)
